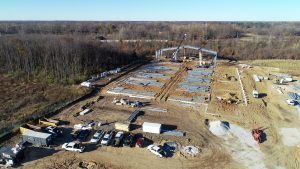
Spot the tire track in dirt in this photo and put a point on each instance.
(164, 93)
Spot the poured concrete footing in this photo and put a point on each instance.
(193, 100)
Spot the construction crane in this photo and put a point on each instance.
(174, 55)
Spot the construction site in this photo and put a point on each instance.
(198, 110)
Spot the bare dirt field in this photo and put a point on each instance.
(235, 150)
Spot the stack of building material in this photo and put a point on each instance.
(122, 126)
(133, 115)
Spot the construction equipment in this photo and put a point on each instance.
(174, 55)
(49, 122)
(28, 127)
(256, 133)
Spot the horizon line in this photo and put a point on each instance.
(61, 20)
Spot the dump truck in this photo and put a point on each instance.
(49, 122)
(27, 127)
(54, 131)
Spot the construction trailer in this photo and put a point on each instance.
(151, 127)
(37, 138)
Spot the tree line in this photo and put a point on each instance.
(63, 59)
(68, 52)
(152, 30)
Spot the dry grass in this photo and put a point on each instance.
(285, 66)
(19, 98)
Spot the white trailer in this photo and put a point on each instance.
(151, 127)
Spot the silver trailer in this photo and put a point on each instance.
(37, 138)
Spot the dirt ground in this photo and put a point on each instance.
(269, 112)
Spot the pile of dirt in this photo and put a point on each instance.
(219, 128)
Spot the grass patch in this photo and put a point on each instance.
(285, 66)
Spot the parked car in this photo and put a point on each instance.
(55, 131)
(107, 138)
(73, 147)
(139, 142)
(291, 102)
(82, 135)
(118, 139)
(97, 136)
(128, 141)
(156, 150)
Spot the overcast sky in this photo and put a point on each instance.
(151, 10)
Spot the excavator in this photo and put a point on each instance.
(256, 133)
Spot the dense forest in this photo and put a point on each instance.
(68, 52)
(60, 58)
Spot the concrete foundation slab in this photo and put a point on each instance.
(192, 79)
(193, 100)
(151, 75)
(194, 87)
(142, 82)
(131, 93)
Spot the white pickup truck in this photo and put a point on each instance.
(156, 150)
(73, 147)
